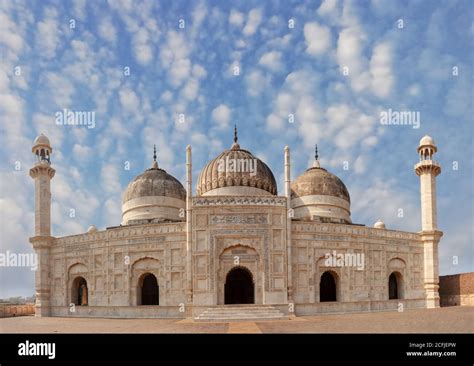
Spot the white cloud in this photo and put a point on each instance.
(179, 71)
(141, 46)
(317, 38)
(48, 35)
(9, 36)
(221, 115)
(107, 30)
(236, 18)
(81, 153)
(414, 90)
(360, 164)
(60, 89)
(79, 9)
(381, 71)
(296, 98)
(350, 55)
(272, 60)
(327, 7)
(347, 135)
(256, 83)
(167, 96)
(17, 218)
(458, 102)
(117, 128)
(199, 71)
(191, 89)
(112, 211)
(275, 123)
(253, 21)
(110, 178)
(81, 50)
(129, 100)
(382, 200)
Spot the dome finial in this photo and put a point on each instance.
(155, 164)
(316, 157)
(235, 145)
(235, 134)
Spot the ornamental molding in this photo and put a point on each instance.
(240, 200)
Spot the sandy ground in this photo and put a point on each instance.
(441, 320)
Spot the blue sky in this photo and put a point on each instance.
(47, 66)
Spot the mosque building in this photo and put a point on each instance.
(237, 248)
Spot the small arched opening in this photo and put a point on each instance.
(79, 292)
(148, 290)
(328, 287)
(395, 286)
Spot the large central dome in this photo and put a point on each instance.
(236, 172)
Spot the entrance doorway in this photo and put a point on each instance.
(150, 290)
(79, 292)
(239, 287)
(394, 286)
(327, 288)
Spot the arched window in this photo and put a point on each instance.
(395, 288)
(79, 292)
(328, 287)
(149, 293)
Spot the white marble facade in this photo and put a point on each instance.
(183, 263)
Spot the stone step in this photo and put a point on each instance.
(240, 316)
(240, 312)
(243, 316)
(224, 311)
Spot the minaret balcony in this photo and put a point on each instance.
(427, 166)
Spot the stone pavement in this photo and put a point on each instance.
(441, 320)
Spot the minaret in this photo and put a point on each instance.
(427, 169)
(42, 173)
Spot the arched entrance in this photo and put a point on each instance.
(150, 291)
(394, 286)
(327, 287)
(79, 292)
(239, 287)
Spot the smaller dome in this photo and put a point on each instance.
(154, 182)
(427, 140)
(41, 140)
(320, 195)
(153, 196)
(379, 224)
(92, 229)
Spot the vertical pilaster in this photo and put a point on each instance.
(189, 233)
(288, 223)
